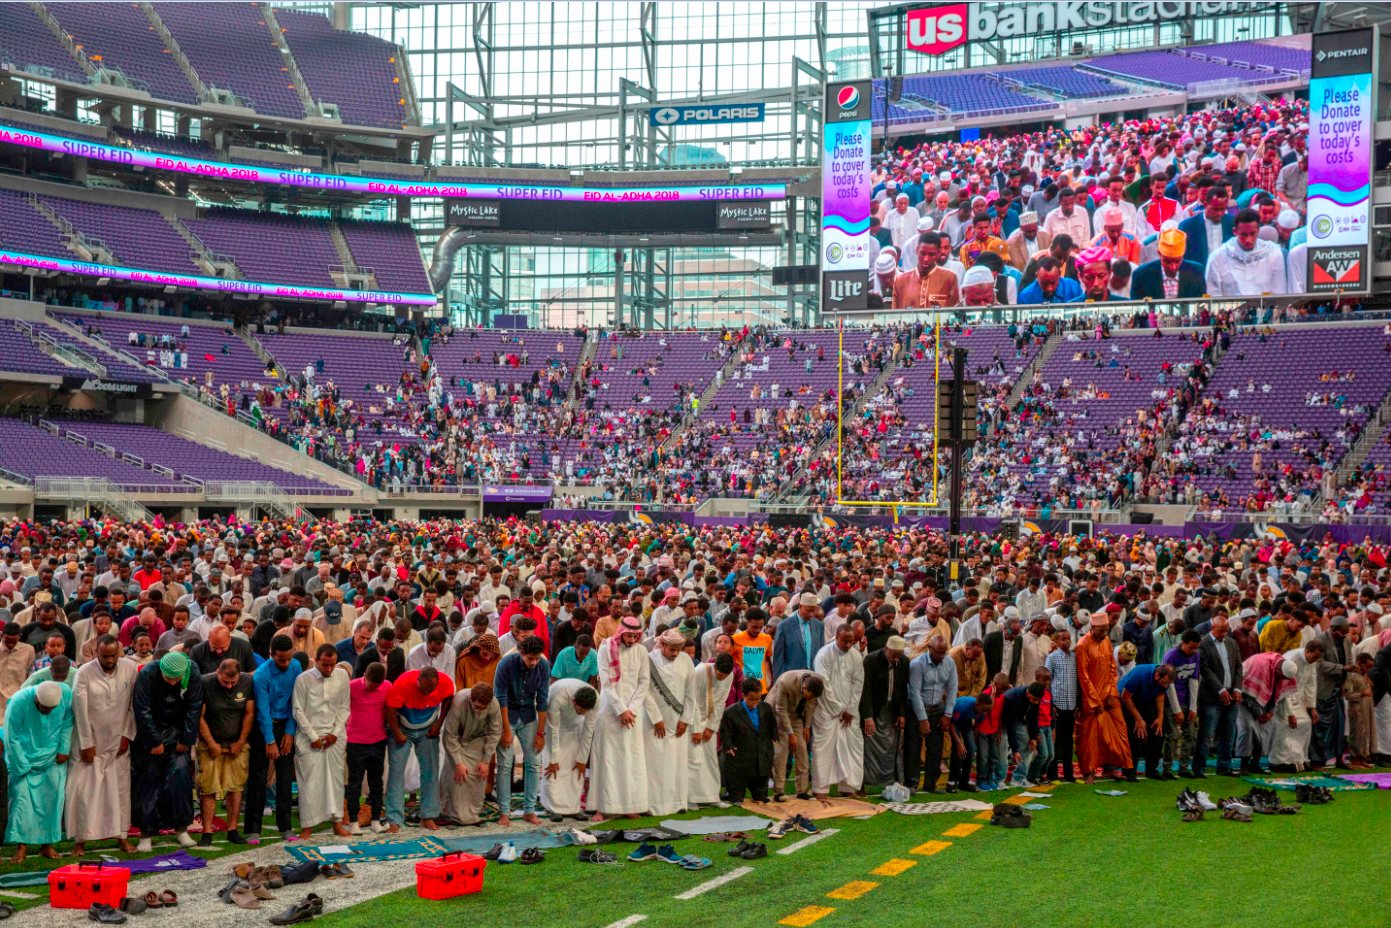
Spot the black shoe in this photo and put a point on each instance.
(532, 855)
(131, 905)
(755, 851)
(101, 912)
(969, 788)
(592, 855)
(739, 849)
(951, 787)
(1188, 774)
(804, 795)
(206, 839)
(779, 797)
(1167, 775)
(302, 911)
(1228, 773)
(492, 852)
(234, 837)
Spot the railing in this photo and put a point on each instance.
(426, 489)
(12, 477)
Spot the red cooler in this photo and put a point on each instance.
(454, 874)
(80, 885)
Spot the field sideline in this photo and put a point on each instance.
(1089, 860)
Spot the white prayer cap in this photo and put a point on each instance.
(1289, 669)
(1288, 219)
(1374, 608)
(896, 643)
(1028, 217)
(926, 223)
(304, 615)
(977, 276)
(885, 263)
(1011, 612)
(49, 694)
(1113, 215)
(901, 196)
(808, 599)
(945, 177)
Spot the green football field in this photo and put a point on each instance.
(1088, 860)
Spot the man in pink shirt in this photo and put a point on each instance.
(149, 619)
(366, 745)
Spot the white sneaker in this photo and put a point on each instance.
(508, 854)
(355, 829)
(184, 840)
(1207, 804)
(377, 826)
(145, 846)
(722, 804)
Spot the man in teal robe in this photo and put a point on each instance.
(38, 736)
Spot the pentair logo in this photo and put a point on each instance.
(848, 98)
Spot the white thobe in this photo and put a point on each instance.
(320, 706)
(972, 629)
(707, 695)
(667, 758)
(618, 766)
(98, 794)
(838, 751)
(1292, 744)
(1128, 210)
(569, 736)
(419, 658)
(901, 226)
(1231, 271)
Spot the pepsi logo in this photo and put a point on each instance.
(848, 98)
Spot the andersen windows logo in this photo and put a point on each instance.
(935, 30)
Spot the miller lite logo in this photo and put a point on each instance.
(845, 289)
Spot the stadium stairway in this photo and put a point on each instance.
(247, 335)
(1371, 436)
(277, 38)
(175, 52)
(706, 397)
(588, 350)
(1016, 392)
(214, 265)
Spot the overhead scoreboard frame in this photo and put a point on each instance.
(899, 504)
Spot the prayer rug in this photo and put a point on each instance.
(635, 835)
(1290, 782)
(714, 824)
(937, 808)
(813, 809)
(1379, 780)
(368, 851)
(178, 860)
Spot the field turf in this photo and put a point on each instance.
(1089, 861)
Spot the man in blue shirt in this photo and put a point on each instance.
(1181, 721)
(273, 739)
(932, 685)
(1049, 285)
(522, 683)
(1143, 690)
(964, 716)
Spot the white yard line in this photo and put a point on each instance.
(17, 894)
(626, 922)
(809, 839)
(716, 883)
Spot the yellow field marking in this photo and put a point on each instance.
(803, 917)
(1016, 801)
(852, 890)
(965, 829)
(1041, 789)
(985, 816)
(931, 847)
(893, 867)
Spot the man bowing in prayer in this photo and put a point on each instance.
(618, 764)
(708, 692)
(1102, 740)
(320, 704)
(469, 736)
(838, 746)
(98, 800)
(664, 738)
(569, 736)
(168, 703)
(38, 735)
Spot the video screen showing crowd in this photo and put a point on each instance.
(1211, 203)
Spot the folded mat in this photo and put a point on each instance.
(1379, 780)
(635, 835)
(812, 808)
(1290, 782)
(178, 860)
(937, 808)
(407, 848)
(715, 824)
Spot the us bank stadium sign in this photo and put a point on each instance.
(937, 29)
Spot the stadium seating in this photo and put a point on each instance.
(970, 94)
(271, 247)
(26, 229)
(32, 452)
(367, 91)
(191, 459)
(1066, 82)
(215, 354)
(229, 45)
(1179, 69)
(28, 45)
(391, 251)
(136, 237)
(119, 36)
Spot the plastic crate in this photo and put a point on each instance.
(81, 885)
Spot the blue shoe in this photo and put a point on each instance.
(692, 862)
(804, 824)
(644, 851)
(668, 853)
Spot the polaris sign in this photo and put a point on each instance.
(935, 30)
(705, 115)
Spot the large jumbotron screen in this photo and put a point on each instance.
(1232, 171)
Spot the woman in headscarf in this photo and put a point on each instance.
(477, 662)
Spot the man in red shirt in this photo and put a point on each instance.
(415, 709)
(1159, 209)
(525, 606)
(148, 574)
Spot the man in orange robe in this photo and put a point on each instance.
(1101, 734)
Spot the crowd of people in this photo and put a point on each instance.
(1208, 203)
(154, 674)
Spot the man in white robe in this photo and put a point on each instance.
(664, 737)
(1246, 265)
(838, 747)
(1293, 723)
(707, 694)
(617, 763)
(320, 705)
(570, 719)
(98, 790)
